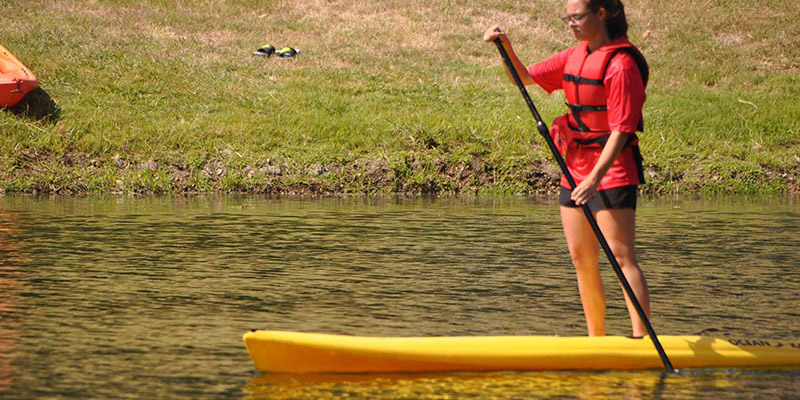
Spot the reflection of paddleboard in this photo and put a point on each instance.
(576, 385)
(16, 80)
(298, 352)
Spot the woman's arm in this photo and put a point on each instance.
(495, 32)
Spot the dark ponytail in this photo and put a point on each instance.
(616, 23)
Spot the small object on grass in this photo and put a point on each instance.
(265, 50)
(287, 52)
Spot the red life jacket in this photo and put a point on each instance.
(586, 96)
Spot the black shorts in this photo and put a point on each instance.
(621, 197)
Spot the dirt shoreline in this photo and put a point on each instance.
(416, 174)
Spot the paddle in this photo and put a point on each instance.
(542, 127)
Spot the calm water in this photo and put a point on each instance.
(106, 298)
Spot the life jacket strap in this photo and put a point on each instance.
(581, 125)
(583, 107)
(644, 69)
(601, 140)
(583, 80)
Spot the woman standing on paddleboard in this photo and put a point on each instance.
(603, 79)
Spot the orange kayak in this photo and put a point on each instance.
(16, 80)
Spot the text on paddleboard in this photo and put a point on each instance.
(763, 343)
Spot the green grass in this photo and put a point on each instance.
(165, 96)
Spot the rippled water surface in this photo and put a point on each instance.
(148, 298)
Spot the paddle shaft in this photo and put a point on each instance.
(542, 127)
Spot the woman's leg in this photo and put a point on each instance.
(583, 248)
(619, 228)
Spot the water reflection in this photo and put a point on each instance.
(10, 288)
(609, 385)
(119, 297)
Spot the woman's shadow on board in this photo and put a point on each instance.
(38, 105)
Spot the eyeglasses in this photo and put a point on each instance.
(575, 18)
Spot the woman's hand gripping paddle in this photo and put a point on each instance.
(542, 127)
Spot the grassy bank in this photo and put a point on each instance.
(165, 96)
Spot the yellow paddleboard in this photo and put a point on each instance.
(298, 352)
